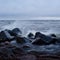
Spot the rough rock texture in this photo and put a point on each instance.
(22, 48)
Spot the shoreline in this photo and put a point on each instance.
(39, 46)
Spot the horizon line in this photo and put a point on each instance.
(31, 18)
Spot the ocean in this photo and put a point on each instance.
(26, 26)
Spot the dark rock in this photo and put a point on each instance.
(18, 50)
(26, 39)
(37, 34)
(16, 32)
(7, 43)
(2, 44)
(28, 57)
(20, 39)
(26, 47)
(31, 36)
(53, 41)
(9, 31)
(52, 35)
(39, 41)
(6, 52)
(57, 40)
(45, 38)
(5, 36)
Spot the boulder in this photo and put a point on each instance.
(52, 35)
(18, 50)
(57, 40)
(39, 41)
(9, 31)
(28, 57)
(20, 39)
(37, 34)
(31, 36)
(47, 39)
(27, 46)
(5, 36)
(54, 40)
(16, 32)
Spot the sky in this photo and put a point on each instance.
(27, 9)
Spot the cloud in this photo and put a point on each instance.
(30, 8)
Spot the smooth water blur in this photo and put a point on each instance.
(26, 26)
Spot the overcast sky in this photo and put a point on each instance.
(30, 8)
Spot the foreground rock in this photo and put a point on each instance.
(44, 39)
(39, 41)
(16, 32)
(13, 46)
(53, 35)
(31, 36)
(5, 36)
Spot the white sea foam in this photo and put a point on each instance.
(44, 26)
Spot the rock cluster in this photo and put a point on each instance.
(13, 45)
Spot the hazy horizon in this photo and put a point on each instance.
(29, 9)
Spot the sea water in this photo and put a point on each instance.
(26, 26)
(43, 26)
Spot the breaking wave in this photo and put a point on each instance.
(26, 26)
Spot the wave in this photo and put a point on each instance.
(26, 26)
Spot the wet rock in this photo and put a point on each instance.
(31, 36)
(39, 41)
(53, 41)
(5, 36)
(20, 39)
(7, 43)
(6, 53)
(26, 39)
(9, 31)
(45, 50)
(57, 40)
(16, 32)
(37, 34)
(10, 53)
(2, 44)
(18, 50)
(26, 47)
(52, 35)
(28, 57)
(45, 38)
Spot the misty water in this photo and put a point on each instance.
(26, 26)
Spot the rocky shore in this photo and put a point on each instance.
(13, 45)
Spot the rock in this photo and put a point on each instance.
(6, 53)
(16, 32)
(37, 34)
(28, 57)
(18, 50)
(45, 38)
(27, 40)
(52, 35)
(7, 43)
(9, 31)
(39, 41)
(2, 44)
(26, 47)
(57, 40)
(20, 39)
(31, 36)
(5, 36)
(53, 41)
